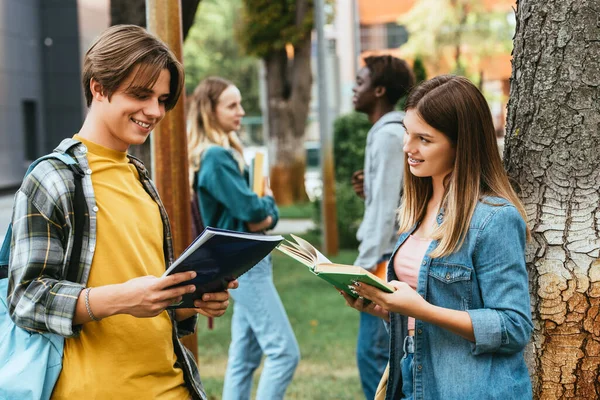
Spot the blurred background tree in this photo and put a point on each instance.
(279, 32)
(349, 141)
(134, 12)
(457, 35)
(419, 70)
(212, 49)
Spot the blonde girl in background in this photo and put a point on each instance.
(220, 178)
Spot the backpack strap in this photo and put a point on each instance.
(79, 206)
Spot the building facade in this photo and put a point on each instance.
(41, 102)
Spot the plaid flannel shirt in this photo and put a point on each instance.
(39, 297)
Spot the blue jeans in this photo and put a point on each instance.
(406, 366)
(372, 352)
(259, 326)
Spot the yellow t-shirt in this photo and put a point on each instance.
(122, 357)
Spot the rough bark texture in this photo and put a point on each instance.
(288, 85)
(553, 154)
(134, 12)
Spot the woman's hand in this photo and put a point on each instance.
(267, 187)
(405, 300)
(211, 304)
(260, 226)
(367, 306)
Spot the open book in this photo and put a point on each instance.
(339, 275)
(219, 256)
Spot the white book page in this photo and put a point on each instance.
(295, 254)
(312, 250)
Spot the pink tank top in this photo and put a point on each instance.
(407, 263)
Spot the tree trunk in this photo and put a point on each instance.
(552, 153)
(134, 12)
(289, 83)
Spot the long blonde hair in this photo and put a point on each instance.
(455, 107)
(203, 129)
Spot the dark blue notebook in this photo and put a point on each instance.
(219, 256)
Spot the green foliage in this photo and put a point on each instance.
(296, 211)
(350, 210)
(350, 138)
(419, 70)
(434, 36)
(325, 327)
(349, 141)
(211, 49)
(269, 25)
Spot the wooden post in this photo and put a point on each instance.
(328, 204)
(169, 143)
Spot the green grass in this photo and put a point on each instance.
(297, 211)
(325, 327)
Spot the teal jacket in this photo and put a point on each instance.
(225, 198)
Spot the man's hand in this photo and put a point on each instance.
(148, 296)
(358, 179)
(211, 304)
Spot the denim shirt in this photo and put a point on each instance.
(487, 278)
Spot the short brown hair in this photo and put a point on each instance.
(119, 50)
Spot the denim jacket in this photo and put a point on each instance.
(487, 278)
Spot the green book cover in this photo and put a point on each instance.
(339, 275)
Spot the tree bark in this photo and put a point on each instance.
(134, 12)
(289, 83)
(552, 153)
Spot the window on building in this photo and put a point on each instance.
(382, 36)
(397, 35)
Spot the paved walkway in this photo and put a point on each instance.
(298, 226)
(284, 226)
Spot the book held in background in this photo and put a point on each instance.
(257, 174)
(339, 275)
(219, 256)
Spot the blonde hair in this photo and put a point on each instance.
(203, 129)
(118, 51)
(455, 107)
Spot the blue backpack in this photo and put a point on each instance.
(30, 362)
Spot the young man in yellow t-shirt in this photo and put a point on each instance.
(120, 340)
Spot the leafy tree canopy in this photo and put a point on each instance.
(211, 49)
(434, 36)
(270, 25)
